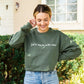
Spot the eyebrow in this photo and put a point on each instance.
(40, 19)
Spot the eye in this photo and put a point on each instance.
(45, 20)
(39, 20)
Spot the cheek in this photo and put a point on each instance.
(38, 23)
(47, 23)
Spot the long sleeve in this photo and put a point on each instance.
(68, 48)
(18, 38)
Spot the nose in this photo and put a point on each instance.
(42, 23)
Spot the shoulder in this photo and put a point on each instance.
(56, 31)
(33, 30)
(60, 33)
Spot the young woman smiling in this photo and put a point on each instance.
(44, 47)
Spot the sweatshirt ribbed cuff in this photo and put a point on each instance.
(26, 27)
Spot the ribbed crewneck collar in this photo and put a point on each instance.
(43, 32)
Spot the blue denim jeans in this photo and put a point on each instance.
(41, 77)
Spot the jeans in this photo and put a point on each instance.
(41, 77)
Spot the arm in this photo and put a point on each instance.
(18, 38)
(68, 48)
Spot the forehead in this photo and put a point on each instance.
(42, 15)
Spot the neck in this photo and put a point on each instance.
(43, 31)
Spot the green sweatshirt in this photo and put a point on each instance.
(44, 50)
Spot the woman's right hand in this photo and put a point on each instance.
(32, 22)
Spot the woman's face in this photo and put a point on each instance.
(42, 21)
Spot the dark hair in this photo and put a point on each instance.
(42, 8)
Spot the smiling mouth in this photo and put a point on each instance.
(43, 26)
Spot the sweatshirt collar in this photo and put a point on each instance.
(44, 32)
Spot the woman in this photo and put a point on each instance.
(44, 47)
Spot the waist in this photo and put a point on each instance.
(41, 72)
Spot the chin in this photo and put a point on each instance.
(44, 28)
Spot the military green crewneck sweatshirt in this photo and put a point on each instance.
(44, 50)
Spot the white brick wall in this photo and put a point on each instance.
(6, 23)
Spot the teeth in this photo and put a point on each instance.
(43, 26)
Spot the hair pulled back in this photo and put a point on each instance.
(42, 8)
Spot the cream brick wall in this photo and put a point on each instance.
(24, 13)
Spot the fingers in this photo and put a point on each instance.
(32, 22)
